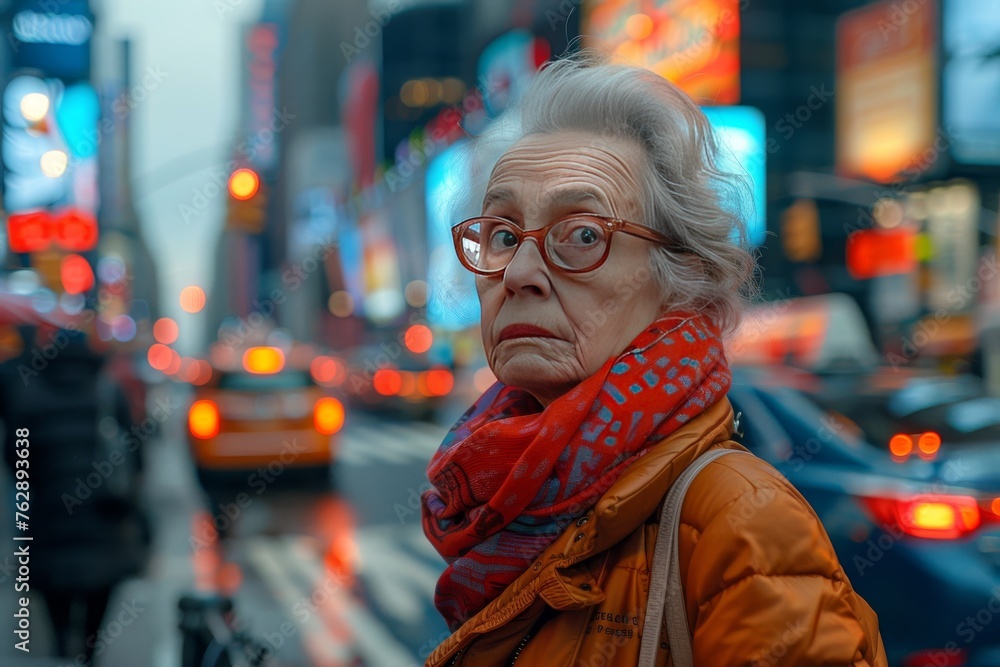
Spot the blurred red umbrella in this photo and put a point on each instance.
(18, 309)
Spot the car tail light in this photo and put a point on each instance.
(940, 517)
(328, 371)
(437, 382)
(407, 383)
(956, 657)
(901, 446)
(928, 445)
(203, 419)
(263, 360)
(387, 381)
(925, 445)
(328, 415)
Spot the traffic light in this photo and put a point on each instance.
(247, 210)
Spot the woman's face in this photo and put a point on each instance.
(586, 318)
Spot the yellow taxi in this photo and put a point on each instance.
(264, 414)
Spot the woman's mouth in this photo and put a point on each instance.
(524, 331)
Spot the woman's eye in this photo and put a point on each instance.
(505, 239)
(584, 236)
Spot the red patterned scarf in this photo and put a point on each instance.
(510, 476)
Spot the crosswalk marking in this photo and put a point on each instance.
(373, 640)
(402, 590)
(317, 640)
(389, 443)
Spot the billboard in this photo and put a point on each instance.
(50, 144)
(971, 80)
(692, 43)
(741, 135)
(53, 37)
(453, 303)
(887, 91)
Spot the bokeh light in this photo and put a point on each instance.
(192, 299)
(165, 330)
(341, 304)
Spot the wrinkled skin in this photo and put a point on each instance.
(593, 315)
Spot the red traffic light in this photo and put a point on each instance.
(244, 184)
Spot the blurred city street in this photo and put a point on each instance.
(241, 260)
(346, 562)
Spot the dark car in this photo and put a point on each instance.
(407, 375)
(919, 536)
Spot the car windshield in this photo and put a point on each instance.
(288, 379)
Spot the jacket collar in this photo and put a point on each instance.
(628, 503)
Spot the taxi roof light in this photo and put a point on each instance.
(263, 360)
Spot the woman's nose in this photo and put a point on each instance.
(527, 273)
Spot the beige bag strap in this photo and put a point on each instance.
(666, 590)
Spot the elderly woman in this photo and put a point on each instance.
(608, 269)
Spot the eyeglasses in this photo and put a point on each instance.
(577, 243)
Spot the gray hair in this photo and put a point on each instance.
(687, 196)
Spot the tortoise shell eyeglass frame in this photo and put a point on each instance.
(609, 224)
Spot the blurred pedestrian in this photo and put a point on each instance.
(609, 266)
(86, 520)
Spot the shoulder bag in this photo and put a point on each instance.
(666, 591)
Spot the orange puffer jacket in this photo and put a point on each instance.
(761, 580)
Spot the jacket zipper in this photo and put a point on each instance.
(520, 647)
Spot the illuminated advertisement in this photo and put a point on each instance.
(53, 37)
(262, 46)
(692, 43)
(886, 91)
(380, 271)
(741, 135)
(507, 66)
(452, 303)
(971, 80)
(50, 145)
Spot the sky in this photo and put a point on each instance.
(185, 53)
